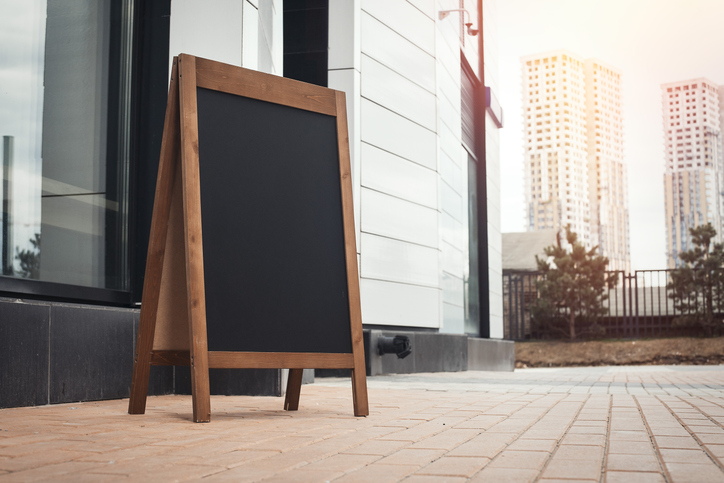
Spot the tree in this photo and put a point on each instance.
(30, 259)
(572, 287)
(696, 287)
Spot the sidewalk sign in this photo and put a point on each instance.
(252, 261)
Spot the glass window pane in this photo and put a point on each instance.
(64, 118)
(470, 271)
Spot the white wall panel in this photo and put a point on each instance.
(448, 113)
(452, 230)
(395, 218)
(388, 303)
(425, 6)
(452, 289)
(277, 44)
(493, 193)
(397, 261)
(267, 17)
(447, 55)
(449, 88)
(496, 317)
(495, 240)
(450, 142)
(399, 54)
(383, 171)
(344, 38)
(450, 171)
(206, 29)
(453, 319)
(405, 19)
(250, 57)
(388, 88)
(348, 80)
(451, 202)
(452, 259)
(392, 132)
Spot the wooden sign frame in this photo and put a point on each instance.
(172, 328)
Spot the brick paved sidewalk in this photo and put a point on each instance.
(640, 424)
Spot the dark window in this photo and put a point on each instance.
(306, 35)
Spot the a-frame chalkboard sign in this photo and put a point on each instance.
(252, 260)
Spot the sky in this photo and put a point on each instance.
(652, 42)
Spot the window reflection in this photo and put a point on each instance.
(63, 116)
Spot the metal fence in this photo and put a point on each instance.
(638, 306)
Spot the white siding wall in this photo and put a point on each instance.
(400, 67)
(399, 209)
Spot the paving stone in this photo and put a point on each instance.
(522, 444)
(454, 466)
(685, 473)
(630, 447)
(434, 479)
(573, 469)
(640, 436)
(377, 473)
(584, 439)
(632, 462)
(684, 456)
(505, 475)
(676, 442)
(446, 440)
(414, 457)
(631, 476)
(532, 460)
(578, 452)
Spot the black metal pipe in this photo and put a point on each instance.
(399, 345)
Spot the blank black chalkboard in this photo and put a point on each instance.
(252, 261)
(271, 211)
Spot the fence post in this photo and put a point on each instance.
(636, 292)
(514, 286)
(625, 314)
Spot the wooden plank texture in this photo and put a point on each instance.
(265, 87)
(196, 301)
(172, 316)
(258, 360)
(294, 389)
(279, 360)
(170, 358)
(359, 376)
(167, 168)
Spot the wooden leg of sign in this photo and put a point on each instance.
(196, 300)
(294, 389)
(156, 250)
(359, 392)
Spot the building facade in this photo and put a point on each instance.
(83, 108)
(694, 172)
(574, 166)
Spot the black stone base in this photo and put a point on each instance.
(57, 353)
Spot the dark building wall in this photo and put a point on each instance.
(58, 353)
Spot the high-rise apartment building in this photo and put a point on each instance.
(573, 162)
(693, 117)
